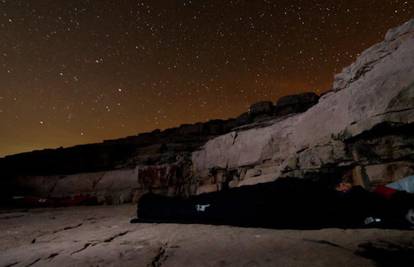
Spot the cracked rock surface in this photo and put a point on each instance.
(103, 236)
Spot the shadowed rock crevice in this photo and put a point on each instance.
(51, 256)
(48, 258)
(85, 246)
(107, 240)
(34, 240)
(34, 262)
(325, 242)
(112, 238)
(68, 228)
(160, 257)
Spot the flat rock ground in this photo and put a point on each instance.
(103, 236)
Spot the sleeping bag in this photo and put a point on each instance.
(285, 203)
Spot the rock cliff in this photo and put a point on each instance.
(364, 124)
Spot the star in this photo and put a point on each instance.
(141, 65)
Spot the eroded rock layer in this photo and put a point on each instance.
(118, 171)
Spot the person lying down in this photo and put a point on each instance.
(285, 203)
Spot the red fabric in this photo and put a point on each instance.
(384, 191)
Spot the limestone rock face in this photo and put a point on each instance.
(370, 111)
(364, 125)
(376, 54)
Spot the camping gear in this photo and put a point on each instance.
(385, 191)
(286, 203)
(406, 184)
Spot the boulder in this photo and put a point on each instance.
(259, 108)
(243, 119)
(295, 103)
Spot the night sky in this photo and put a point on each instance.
(80, 71)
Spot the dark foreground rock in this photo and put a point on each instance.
(102, 236)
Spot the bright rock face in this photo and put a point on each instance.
(369, 110)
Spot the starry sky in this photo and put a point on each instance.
(81, 71)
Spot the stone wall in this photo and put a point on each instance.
(111, 187)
